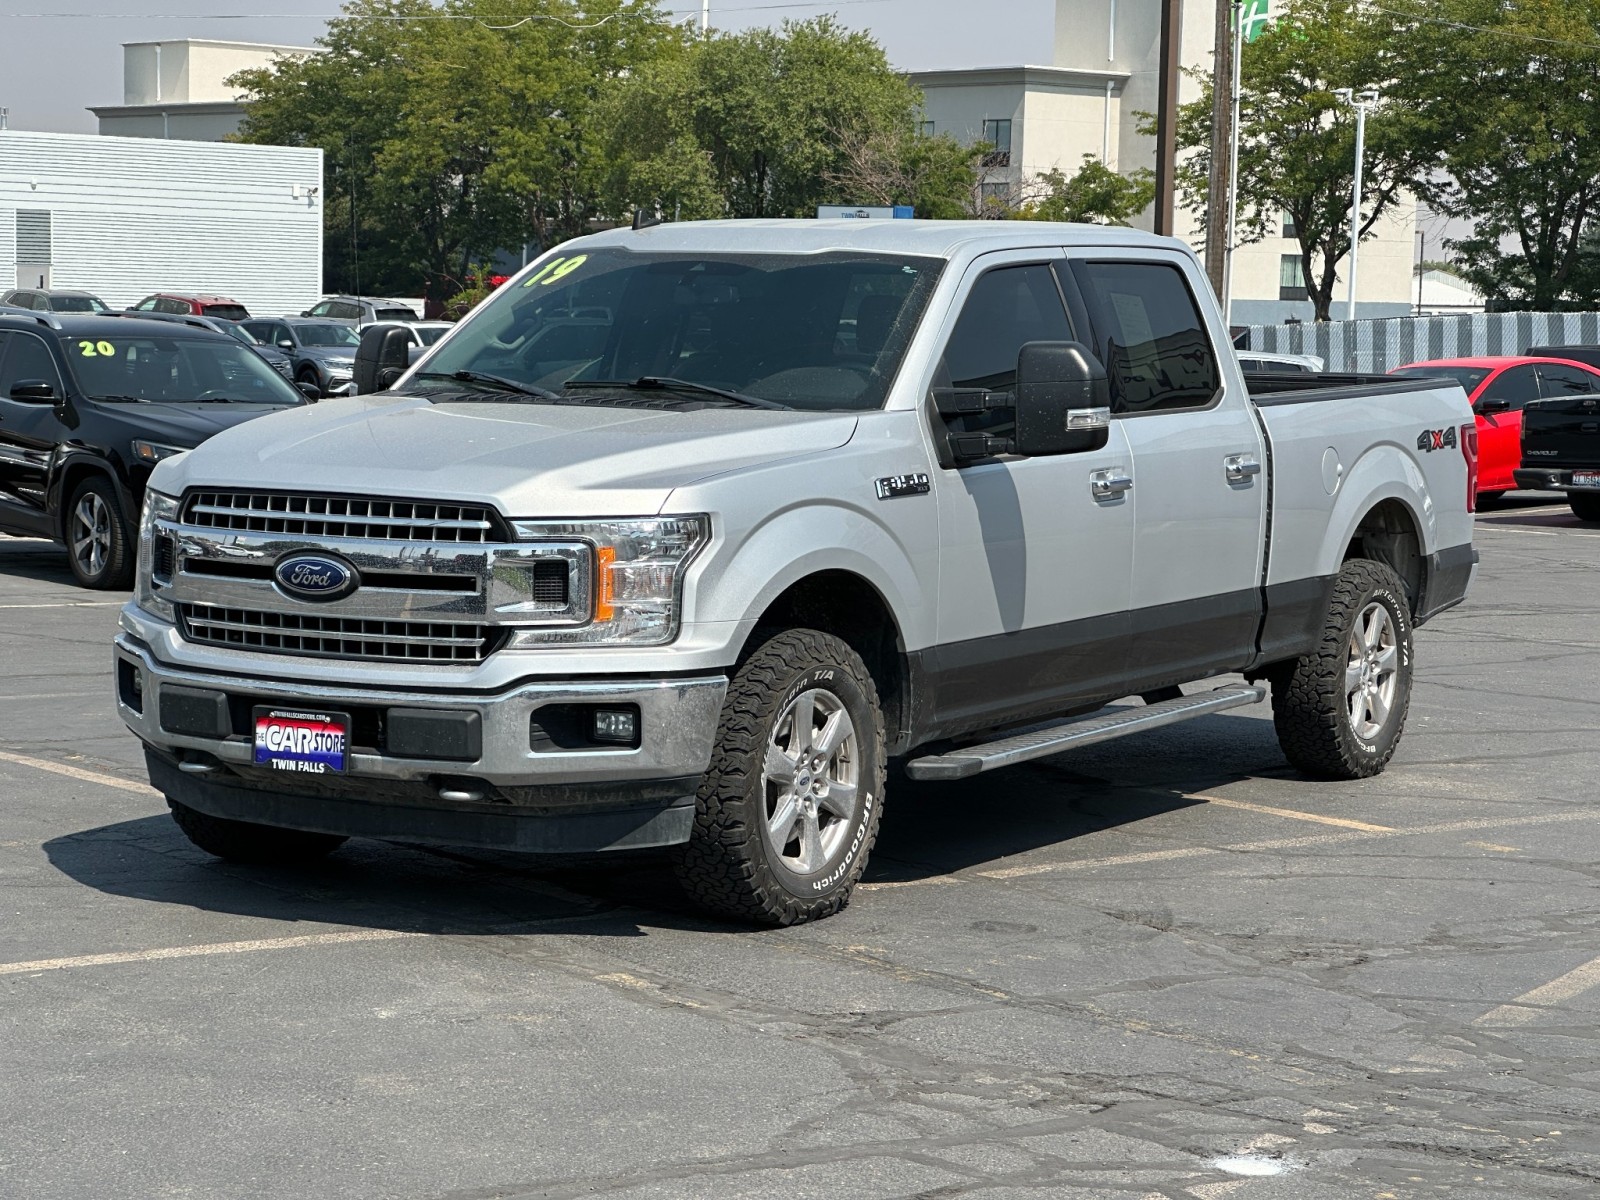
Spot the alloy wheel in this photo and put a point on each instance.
(91, 533)
(811, 781)
(1372, 671)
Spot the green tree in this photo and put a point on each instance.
(752, 124)
(1297, 140)
(936, 175)
(453, 131)
(1516, 89)
(1094, 193)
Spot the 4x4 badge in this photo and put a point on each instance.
(1436, 439)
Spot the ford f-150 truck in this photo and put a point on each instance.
(687, 532)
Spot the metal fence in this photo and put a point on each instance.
(1377, 346)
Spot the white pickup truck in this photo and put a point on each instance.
(690, 529)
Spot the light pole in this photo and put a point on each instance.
(1363, 102)
(705, 17)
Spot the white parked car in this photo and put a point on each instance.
(1282, 364)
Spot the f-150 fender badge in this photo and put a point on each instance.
(1436, 439)
(893, 486)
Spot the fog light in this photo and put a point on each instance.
(616, 725)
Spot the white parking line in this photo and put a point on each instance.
(1295, 814)
(250, 947)
(1529, 1005)
(100, 777)
(72, 604)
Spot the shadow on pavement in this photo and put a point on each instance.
(32, 558)
(929, 829)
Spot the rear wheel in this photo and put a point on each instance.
(1340, 709)
(99, 542)
(1585, 505)
(789, 809)
(246, 842)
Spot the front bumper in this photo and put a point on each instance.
(1550, 479)
(531, 785)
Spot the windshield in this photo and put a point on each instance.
(175, 369)
(78, 304)
(228, 312)
(1468, 377)
(327, 335)
(820, 332)
(429, 334)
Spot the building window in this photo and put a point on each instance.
(1289, 230)
(1291, 278)
(925, 128)
(997, 135)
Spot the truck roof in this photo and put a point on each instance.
(935, 239)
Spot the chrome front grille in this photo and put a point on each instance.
(328, 516)
(336, 637)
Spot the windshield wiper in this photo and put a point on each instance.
(121, 399)
(666, 383)
(499, 381)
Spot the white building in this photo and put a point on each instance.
(124, 217)
(178, 89)
(1105, 71)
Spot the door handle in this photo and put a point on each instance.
(1108, 485)
(1240, 467)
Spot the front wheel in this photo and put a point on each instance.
(99, 542)
(1340, 710)
(1585, 505)
(247, 842)
(788, 811)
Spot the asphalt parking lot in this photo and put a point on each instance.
(1160, 968)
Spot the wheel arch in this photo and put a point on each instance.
(849, 606)
(72, 471)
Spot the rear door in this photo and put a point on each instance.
(1500, 433)
(29, 431)
(1034, 563)
(1198, 462)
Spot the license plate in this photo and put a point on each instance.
(310, 743)
(1586, 479)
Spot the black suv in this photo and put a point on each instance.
(89, 405)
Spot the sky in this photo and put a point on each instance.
(59, 56)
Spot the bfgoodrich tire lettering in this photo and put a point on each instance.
(246, 842)
(788, 811)
(1340, 710)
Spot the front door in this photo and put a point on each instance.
(1500, 433)
(1198, 468)
(1035, 560)
(29, 432)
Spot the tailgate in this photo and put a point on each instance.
(1563, 432)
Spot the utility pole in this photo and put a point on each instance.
(705, 17)
(1167, 117)
(1233, 159)
(1218, 234)
(1363, 102)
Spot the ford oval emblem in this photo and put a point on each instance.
(315, 577)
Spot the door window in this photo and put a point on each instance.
(148, 304)
(1557, 380)
(27, 358)
(1007, 308)
(1518, 385)
(1150, 336)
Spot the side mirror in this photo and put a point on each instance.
(1063, 400)
(34, 391)
(310, 391)
(1494, 406)
(381, 358)
(286, 344)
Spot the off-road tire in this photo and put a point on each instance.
(246, 842)
(117, 570)
(727, 866)
(1585, 505)
(1310, 707)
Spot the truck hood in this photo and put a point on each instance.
(527, 459)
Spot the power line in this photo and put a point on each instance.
(479, 18)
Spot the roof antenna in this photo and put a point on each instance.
(644, 220)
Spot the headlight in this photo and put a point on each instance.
(154, 452)
(156, 552)
(639, 566)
